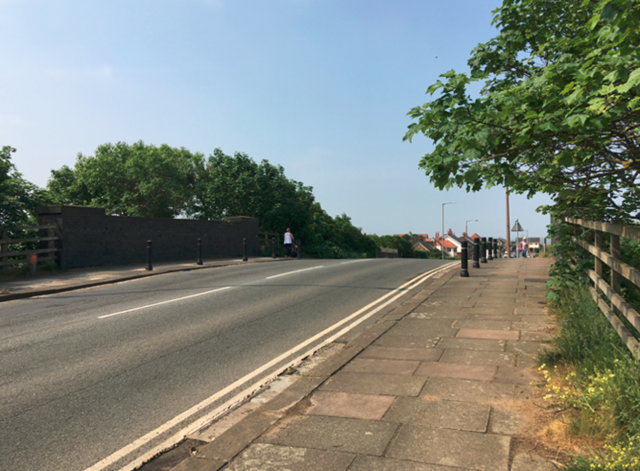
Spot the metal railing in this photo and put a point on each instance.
(29, 256)
(602, 290)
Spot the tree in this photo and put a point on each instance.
(18, 197)
(236, 185)
(557, 114)
(128, 180)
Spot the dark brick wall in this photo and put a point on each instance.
(89, 238)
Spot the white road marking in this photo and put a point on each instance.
(118, 455)
(163, 302)
(295, 271)
(356, 261)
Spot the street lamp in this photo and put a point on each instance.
(466, 234)
(442, 235)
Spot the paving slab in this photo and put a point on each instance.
(373, 463)
(505, 421)
(506, 303)
(536, 336)
(369, 437)
(533, 325)
(515, 375)
(441, 313)
(451, 370)
(477, 314)
(531, 462)
(412, 341)
(488, 334)
(531, 348)
(392, 385)
(440, 414)
(473, 344)
(265, 457)
(355, 406)
(478, 357)
(375, 366)
(455, 448)
(453, 389)
(427, 328)
(395, 353)
(484, 324)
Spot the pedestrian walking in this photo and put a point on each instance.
(288, 241)
(524, 247)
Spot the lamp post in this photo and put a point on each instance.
(466, 234)
(442, 235)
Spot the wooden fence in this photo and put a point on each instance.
(616, 306)
(30, 256)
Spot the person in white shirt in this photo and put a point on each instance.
(288, 241)
(524, 247)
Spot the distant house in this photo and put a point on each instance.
(424, 246)
(534, 243)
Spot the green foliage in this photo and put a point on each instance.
(127, 180)
(557, 114)
(18, 197)
(603, 387)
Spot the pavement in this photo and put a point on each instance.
(435, 385)
(51, 282)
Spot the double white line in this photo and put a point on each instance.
(209, 417)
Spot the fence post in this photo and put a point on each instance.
(476, 252)
(4, 249)
(484, 250)
(598, 263)
(615, 276)
(490, 248)
(273, 248)
(149, 265)
(244, 250)
(32, 262)
(199, 252)
(464, 272)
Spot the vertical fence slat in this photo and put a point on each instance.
(598, 262)
(616, 278)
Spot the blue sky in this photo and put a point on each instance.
(321, 87)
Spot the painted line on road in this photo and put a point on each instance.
(123, 452)
(295, 271)
(356, 261)
(163, 302)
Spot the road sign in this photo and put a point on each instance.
(517, 227)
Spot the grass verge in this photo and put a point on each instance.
(590, 375)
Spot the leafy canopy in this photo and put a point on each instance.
(557, 113)
(18, 197)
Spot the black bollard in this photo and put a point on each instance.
(495, 248)
(484, 250)
(476, 252)
(149, 265)
(199, 252)
(464, 273)
(244, 250)
(490, 248)
(273, 248)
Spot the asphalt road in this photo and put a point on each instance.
(85, 373)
